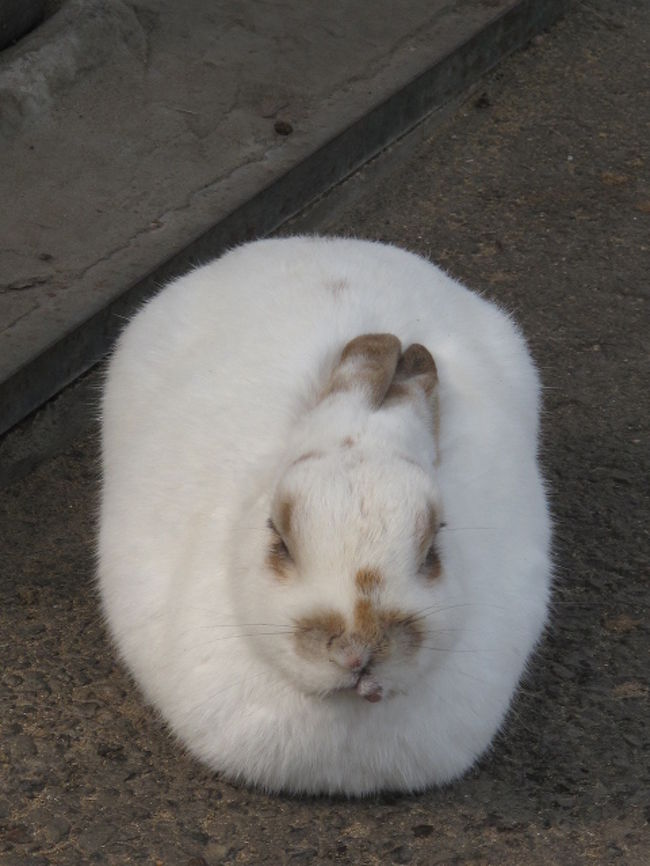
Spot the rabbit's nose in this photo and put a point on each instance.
(352, 658)
(353, 661)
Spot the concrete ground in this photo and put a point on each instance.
(536, 191)
(140, 137)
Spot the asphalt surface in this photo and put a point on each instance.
(536, 191)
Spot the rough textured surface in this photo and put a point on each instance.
(141, 137)
(17, 17)
(537, 193)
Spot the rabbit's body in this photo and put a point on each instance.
(225, 386)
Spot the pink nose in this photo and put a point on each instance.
(352, 657)
(353, 661)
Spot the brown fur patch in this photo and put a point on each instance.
(372, 348)
(416, 371)
(368, 363)
(330, 622)
(367, 626)
(379, 629)
(417, 360)
(315, 631)
(408, 629)
(367, 580)
(399, 392)
(277, 560)
(284, 513)
(432, 567)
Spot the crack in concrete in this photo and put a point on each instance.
(22, 285)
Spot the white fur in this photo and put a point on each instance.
(211, 393)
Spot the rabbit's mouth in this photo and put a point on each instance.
(362, 683)
(366, 686)
(369, 688)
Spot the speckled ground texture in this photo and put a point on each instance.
(536, 192)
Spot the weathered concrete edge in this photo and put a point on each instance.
(84, 346)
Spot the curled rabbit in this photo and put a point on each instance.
(324, 540)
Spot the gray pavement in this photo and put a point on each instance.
(535, 190)
(139, 138)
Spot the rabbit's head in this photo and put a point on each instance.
(350, 573)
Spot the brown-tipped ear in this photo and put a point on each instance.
(368, 364)
(416, 372)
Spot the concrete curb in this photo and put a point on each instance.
(17, 17)
(83, 347)
(79, 37)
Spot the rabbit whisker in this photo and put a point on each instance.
(250, 625)
(441, 649)
(434, 609)
(244, 635)
(237, 682)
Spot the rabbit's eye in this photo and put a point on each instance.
(279, 556)
(431, 567)
(281, 549)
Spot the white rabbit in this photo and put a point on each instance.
(323, 556)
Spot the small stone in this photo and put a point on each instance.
(112, 752)
(508, 825)
(215, 851)
(56, 829)
(306, 855)
(19, 858)
(22, 746)
(94, 837)
(401, 854)
(88, 709)
(563, 802)
(17, 835)
(622, 623)
(35, 681)
(31, 787)
(630, 689)
(107, 692)
(614, 178)
(28, 595)
(562, 671)
(283, 127)
(421, 831)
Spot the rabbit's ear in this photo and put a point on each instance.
(416, 375)
(367, 365)
(415, 386)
